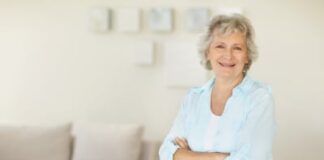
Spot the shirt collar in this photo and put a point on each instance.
(243, 86)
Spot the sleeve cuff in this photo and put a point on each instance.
(173, 149)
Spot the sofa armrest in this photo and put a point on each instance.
(150, 150)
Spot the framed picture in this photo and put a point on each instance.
(196, 19)
(160, 19)
(100, 19)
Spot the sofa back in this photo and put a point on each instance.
(103, 142)
(35, 142)
(150, 150)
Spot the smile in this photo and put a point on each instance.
(226, 65)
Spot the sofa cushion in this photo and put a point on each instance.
(35, 143)
(107, 142)
(150, 150)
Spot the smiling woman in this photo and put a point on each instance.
(227, 54)
(232, 116)
(223, 27)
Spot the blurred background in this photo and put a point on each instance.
(55, 69)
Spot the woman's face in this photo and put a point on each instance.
(228, 54)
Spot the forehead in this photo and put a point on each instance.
(235, 36)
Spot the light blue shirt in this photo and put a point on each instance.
(245, 129)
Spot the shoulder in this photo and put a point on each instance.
(260, 95)
(195, 94)
(259, 89)
(192, 94)
(201, 89)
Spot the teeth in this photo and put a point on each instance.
(227, 65)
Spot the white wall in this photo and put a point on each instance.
(53, 69)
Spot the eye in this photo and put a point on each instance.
(220, 46)
(238, 48)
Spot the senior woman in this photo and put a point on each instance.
(231, 117)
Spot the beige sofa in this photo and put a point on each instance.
(76, 142)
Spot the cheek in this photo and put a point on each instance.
(210, 55)
(245, 58)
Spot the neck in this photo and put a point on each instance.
(227, 83)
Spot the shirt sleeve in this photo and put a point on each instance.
(168, 148)
(255, 138)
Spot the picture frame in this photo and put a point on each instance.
(160, 19)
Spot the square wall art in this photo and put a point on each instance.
(160, 19)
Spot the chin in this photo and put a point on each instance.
(227, 74)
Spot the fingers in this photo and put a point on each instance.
(182, 143)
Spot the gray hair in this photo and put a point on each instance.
(228, 24)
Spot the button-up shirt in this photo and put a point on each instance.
(245, 129)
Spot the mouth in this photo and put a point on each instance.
(227, 65)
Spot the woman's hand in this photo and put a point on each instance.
(185, 153)
(182, 143)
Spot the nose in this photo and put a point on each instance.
(228, 54)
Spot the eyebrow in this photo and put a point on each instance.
(219, 42)
(235, 44)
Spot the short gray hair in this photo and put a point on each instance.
(228, 24)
